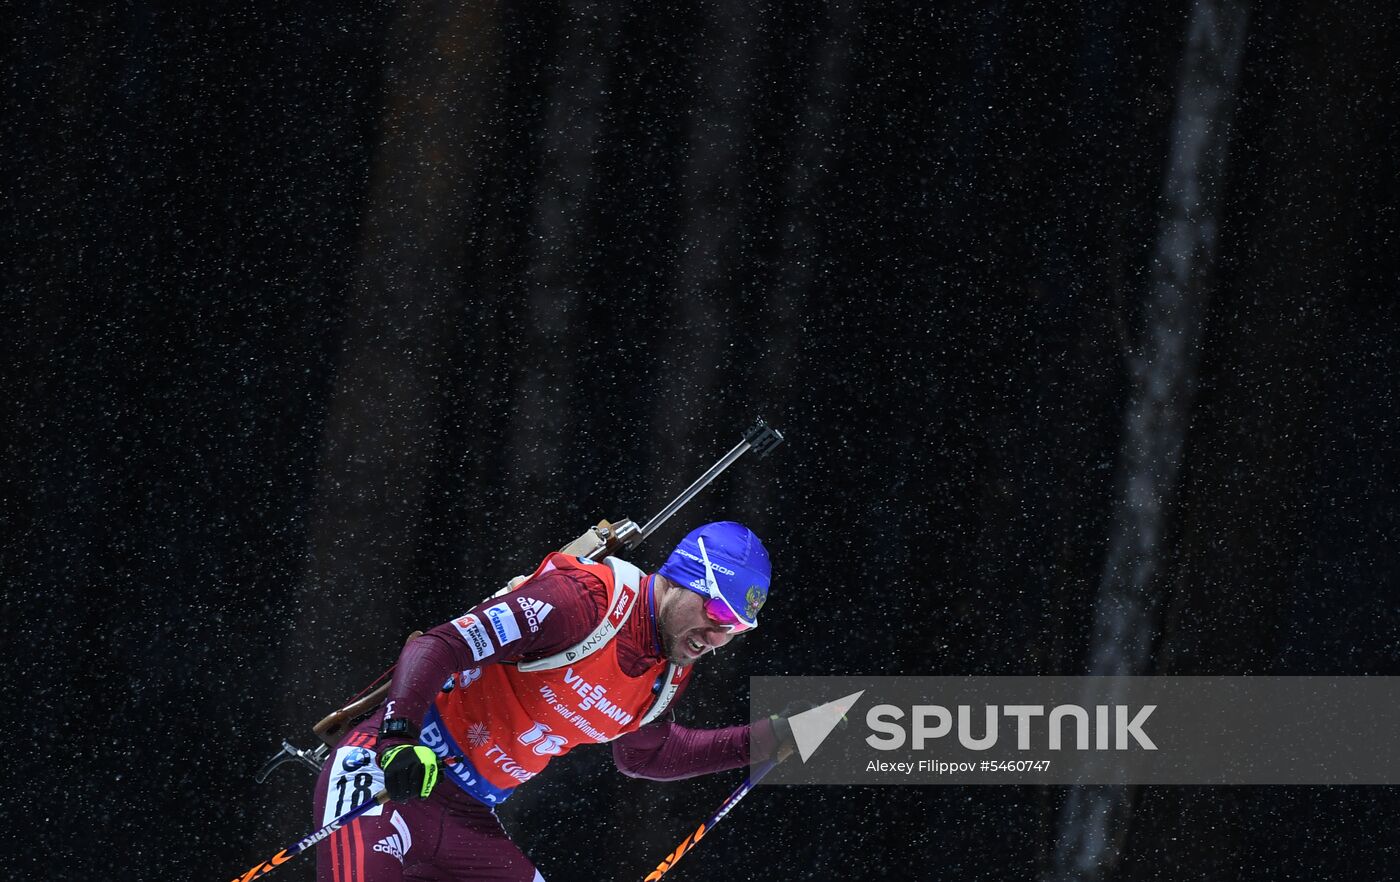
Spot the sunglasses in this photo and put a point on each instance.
(717, 608)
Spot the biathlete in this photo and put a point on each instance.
(581, 652)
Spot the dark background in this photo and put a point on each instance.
(321, 320)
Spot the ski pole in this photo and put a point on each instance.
(808, 729)
(291, 851)
(689, 842)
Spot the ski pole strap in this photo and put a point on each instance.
(761, 439)
(689, 842)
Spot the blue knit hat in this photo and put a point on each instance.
(738, 560)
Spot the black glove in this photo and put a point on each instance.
(410, 771)
(782, 728)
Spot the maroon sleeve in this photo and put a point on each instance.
(546, 615)
(668, 752)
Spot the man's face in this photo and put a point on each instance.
(686, 632)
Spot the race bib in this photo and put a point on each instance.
(355, 777)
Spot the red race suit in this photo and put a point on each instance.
(572, 656)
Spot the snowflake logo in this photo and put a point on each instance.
(477, 735)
